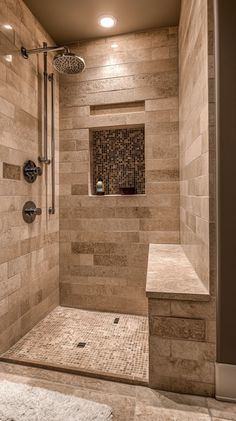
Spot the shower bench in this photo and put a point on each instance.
(181, 324)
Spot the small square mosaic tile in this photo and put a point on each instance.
(109, 344)
(118, 158)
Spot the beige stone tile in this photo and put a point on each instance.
(13, 283)
(121, 70)
(167, 84)
(122, 405)
(194, 140)
(221, 410)
(79, 189)
(185, 402)
(86, 259)
(149, 403)
(161, 164)
(123, 408)
(159, 307)
(219, 419)
(3, 307)
(193, 350)
(20, 140)
(159, 346)
(162, 104)
(211, 331)
(180, 384)
(107, 260)
(70, 326)
(151, 413)
(192, 309)
(174, 328)
(189, 370)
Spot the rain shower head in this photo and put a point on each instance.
(68, 63)
(64, 62)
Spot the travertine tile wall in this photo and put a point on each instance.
(196, 137)
(104, 240)
(29, 254)
(182, 346)
(182, 343)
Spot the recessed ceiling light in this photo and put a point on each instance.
(7, 26)
(107, 21)
(114, 45)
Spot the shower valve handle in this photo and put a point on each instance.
(34, 171)
(33, 211)
(31, 171)
(30, 211)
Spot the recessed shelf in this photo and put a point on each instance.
(122, 107)
(117, 157)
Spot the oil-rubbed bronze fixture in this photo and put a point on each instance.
(31, 171)
(52, 208)
(30, 212)
(64, 62)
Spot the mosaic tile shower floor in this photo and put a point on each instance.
(87, 342)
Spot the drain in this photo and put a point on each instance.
(116, 320)
(81, 344)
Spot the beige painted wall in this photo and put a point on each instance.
(104, 240)
(29, 264)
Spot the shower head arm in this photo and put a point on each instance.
(25, 53)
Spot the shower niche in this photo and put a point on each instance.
(117, 158)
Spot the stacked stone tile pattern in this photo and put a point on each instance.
(29, 255)
(104, 240)
(118, 158)
(197, 130)
(182, 338)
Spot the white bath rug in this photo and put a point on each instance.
(20, 402)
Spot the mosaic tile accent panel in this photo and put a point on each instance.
(118, 157)
(94, 342)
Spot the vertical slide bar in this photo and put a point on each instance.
(44, 159)
(52, 208)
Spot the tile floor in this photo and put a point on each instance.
(88, 342)
(129, 402)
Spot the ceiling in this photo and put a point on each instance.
(72, 20)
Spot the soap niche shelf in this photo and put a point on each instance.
(122, 107)
(117, 157)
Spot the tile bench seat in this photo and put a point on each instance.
(171, 275)
(181, 316)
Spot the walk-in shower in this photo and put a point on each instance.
(64, 62)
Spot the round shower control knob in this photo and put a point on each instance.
(30, 211)
(31, 171)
